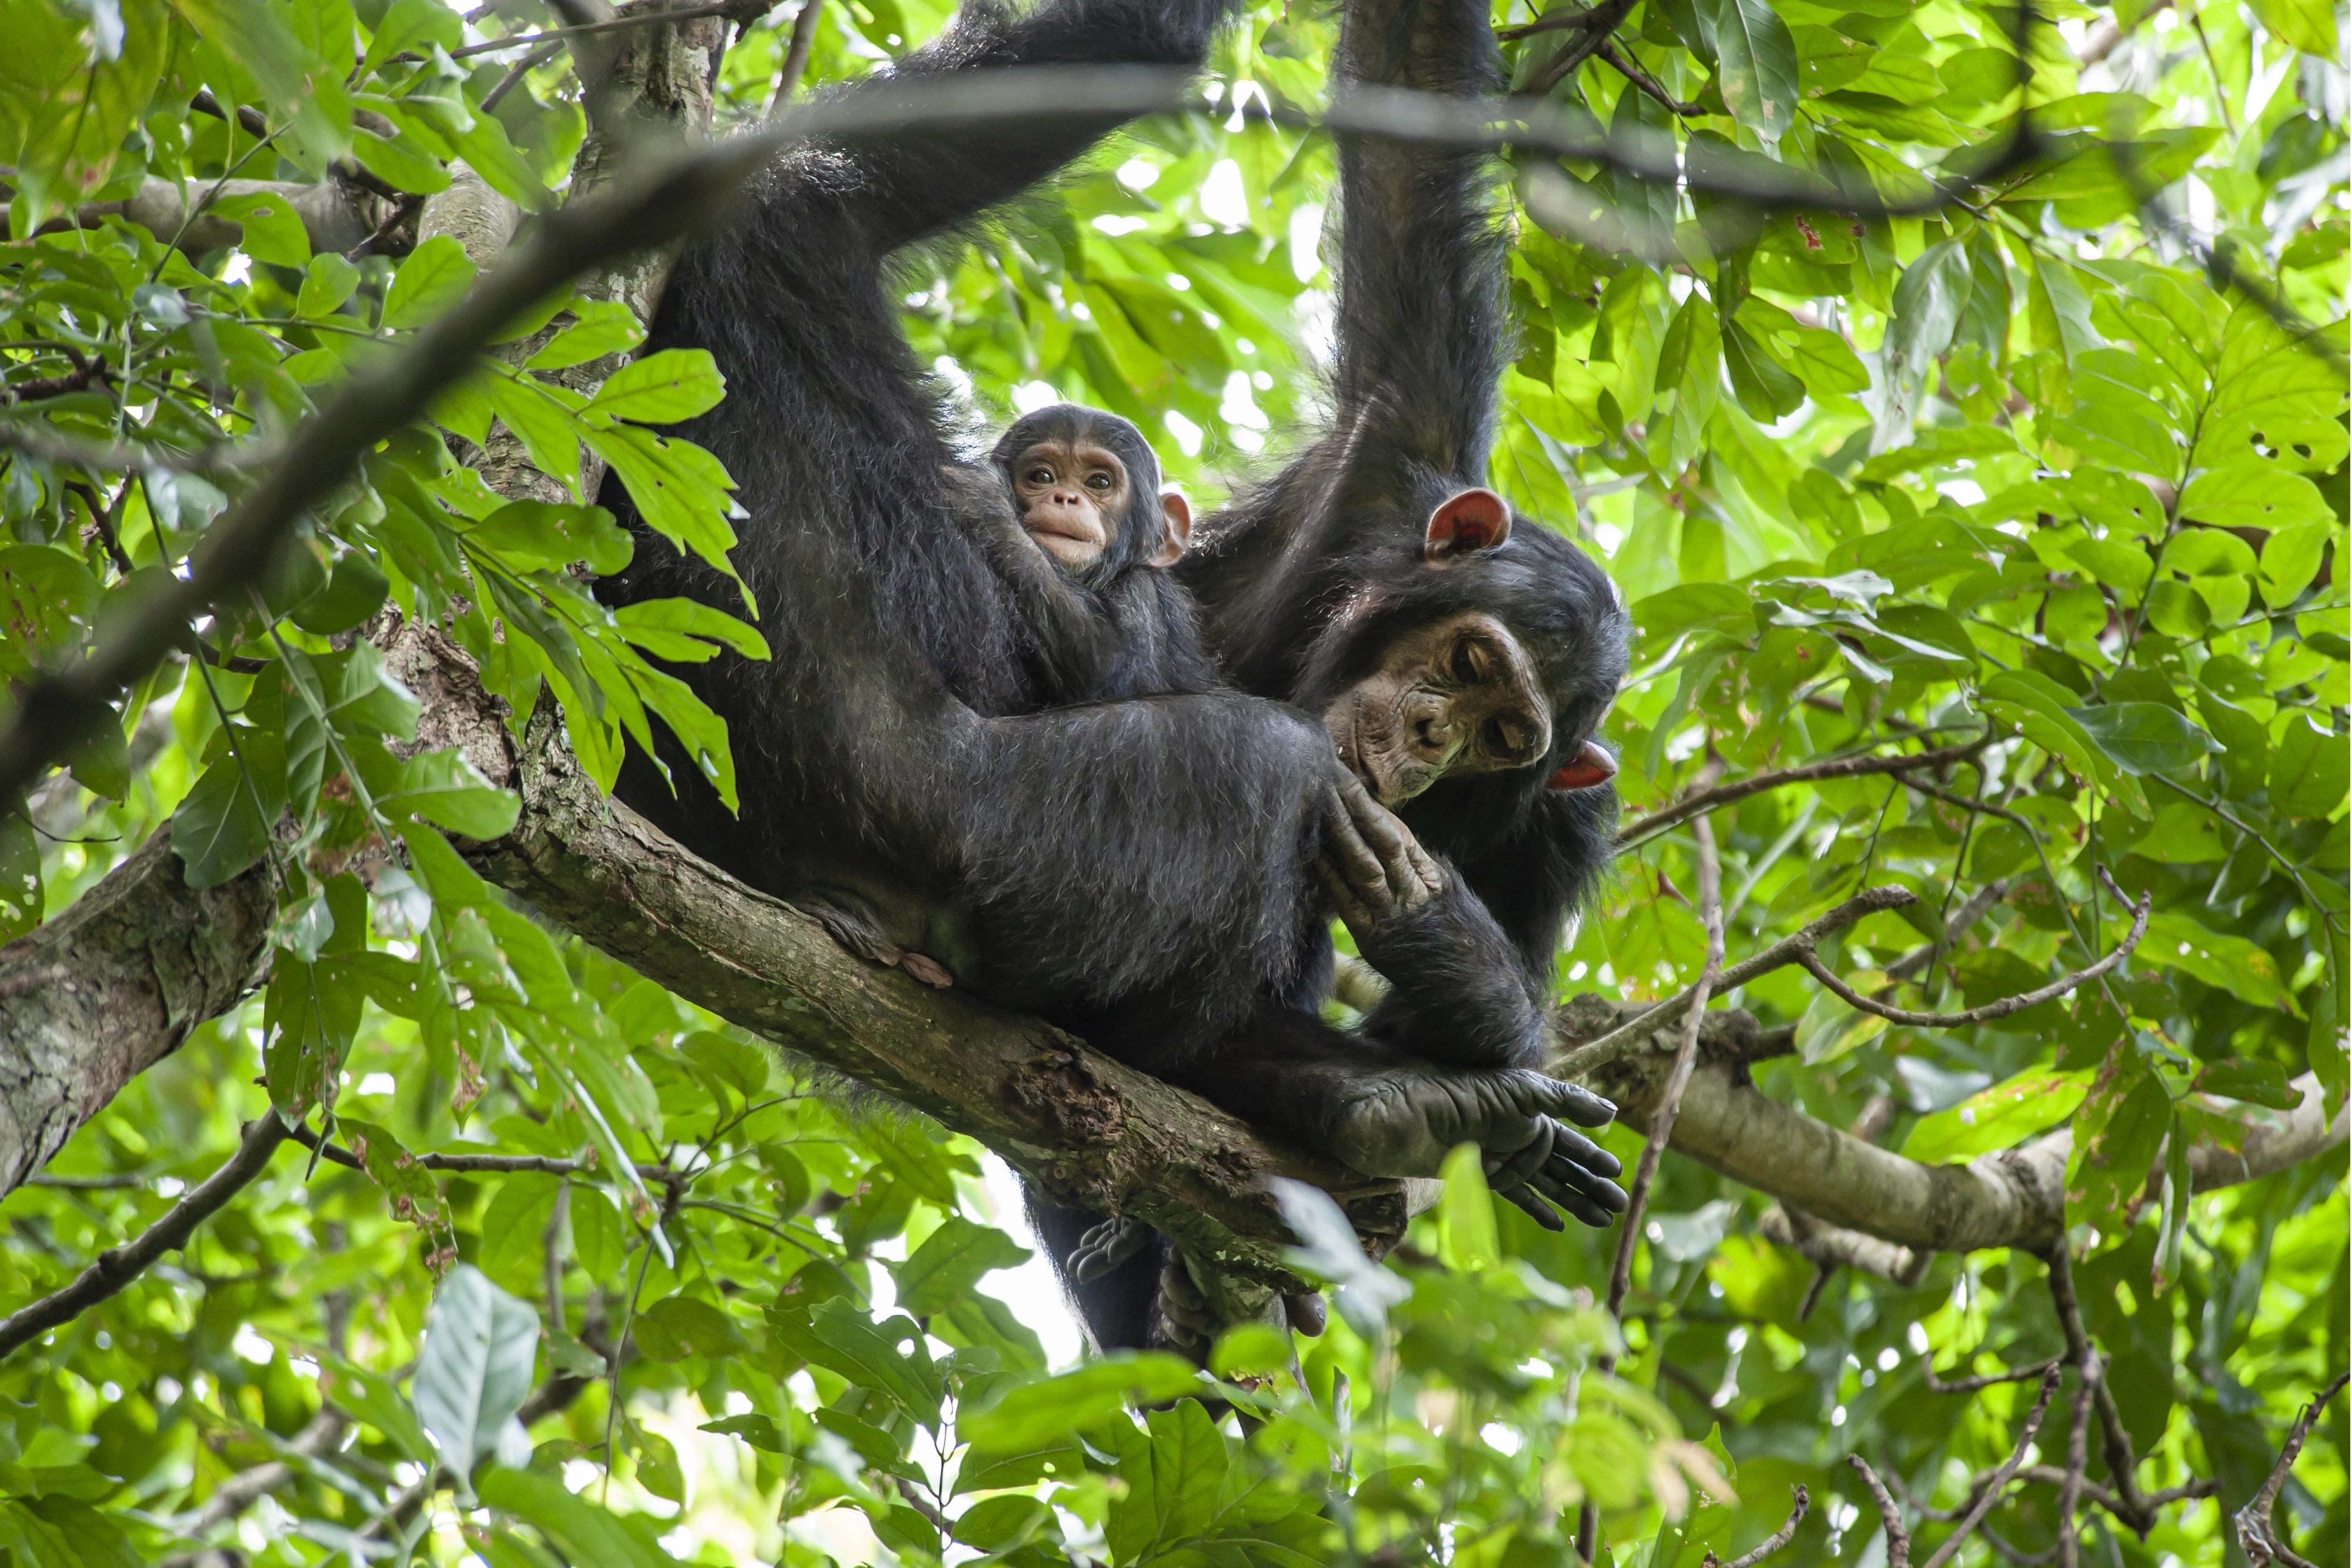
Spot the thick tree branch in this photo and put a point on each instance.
(118, 1266)
(112, 986)
(1770, 1543)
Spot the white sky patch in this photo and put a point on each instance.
(1967, 492)
(1031, 396)
(1306, 241)
(1031, 1291)
(1114, 224)
(239, 267)
(1187, 433)
(1223, 199)
(1138, 176)
(378, 1083)
(1607, 535)
(954, 375)
(1239, 408)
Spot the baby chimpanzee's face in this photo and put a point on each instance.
(1072, 496)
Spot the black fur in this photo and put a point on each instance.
(1116, 629)
(1139, 871)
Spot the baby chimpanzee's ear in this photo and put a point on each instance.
(1589, 764)
(1175, 528)
(1464, 524)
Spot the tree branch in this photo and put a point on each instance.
(2000, 1009)
(1812, 772)
(2256, 1535)
(1770, 1543)
(118, 1266)
(1975, 1516)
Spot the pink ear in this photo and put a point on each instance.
(1465, 524)
(1592, 765)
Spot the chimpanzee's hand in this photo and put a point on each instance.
(1102, 1249)
(1400, 1119)
(1373, 866)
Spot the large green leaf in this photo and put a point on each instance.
(480, 1355)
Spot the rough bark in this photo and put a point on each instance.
(336, 215)
(113, 986)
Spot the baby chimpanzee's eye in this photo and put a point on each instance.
(1041, 475)
(1098, 480)
(1465, 665)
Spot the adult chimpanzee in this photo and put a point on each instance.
(1141, 872)
(1460, 664)
(1069, 512)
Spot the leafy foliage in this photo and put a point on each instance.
(2062, 470)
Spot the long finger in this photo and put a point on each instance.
(1525, 1200)
(1509, 1170)
(1569, 1144)
(1389, 840)
(1344, 902)
(1575, 1203)
(1355, 859)
(1597, 1187)
(1572, 1100)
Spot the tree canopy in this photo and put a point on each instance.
(1957, 393)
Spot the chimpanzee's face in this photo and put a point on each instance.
(1457, 695)
(1072, 496)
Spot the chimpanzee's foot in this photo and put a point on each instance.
(1372, 868)
(1102, 1249)
(1400, 1120)
(1187, 1321)
(930, 971)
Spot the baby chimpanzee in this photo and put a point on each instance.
(1068, 511)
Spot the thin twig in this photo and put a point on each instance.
(2001, 1479)
(2256, 1535)
(796, 56)
(1898, 1540)
(2078, 1462)
(1974, 1382)
(1629, 1035)
(1838, 767)
(2130, 1505)
(1662, 1121)
(118, 1266)
(85, 1183)
(1772, 1542)
(558, 35)
(508, 1165)
(1999, 1008)
(522, 67)
(1633, 71)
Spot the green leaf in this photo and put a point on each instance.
(533, 536)
(1174, 1470)
(586, 1532)
(373, 1397)
(2045, 711)
(2310, 770)
(442, 788)
(223, 827)
(1766, 391)
(2308, 24)
(2145, 737)
(2260, 1083)
(273, 231)
(434, 276)
(1755, 64)
(2116, 1138)
(329, 283)
(1466, 1237)
(2000, 1117)
(1030, 1418)
(2253, 496)
(20, 875)
(310, 1014)
(679, 1326)
(682, 491)
(600, 326)
(548, 430)
(2291, 559)
(399, 166)
(662, 389)
(2230, 963)
(660, 625)
(949, 1263)
(836, 1334)
(480, 1356)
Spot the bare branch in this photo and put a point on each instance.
(1812, 772)
(242, 1491)
(1898, 1540)
(2131, 1505)
(1975, 1381)
(2256, 1535)
(1630, 1036)
(558, 34)
(1975, 1516)
(796, 56)
(2002, 1008)
(118, 1266)
(1770, 1543)
(1834, 1247)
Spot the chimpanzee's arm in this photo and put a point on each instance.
(1421, 328)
